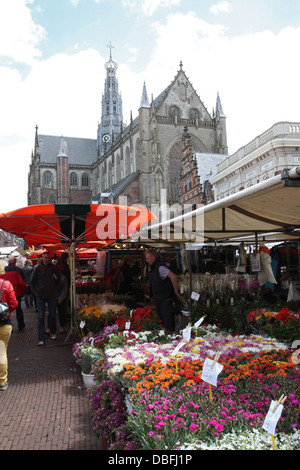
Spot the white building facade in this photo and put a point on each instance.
(267, 155)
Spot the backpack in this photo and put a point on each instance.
(4, 309)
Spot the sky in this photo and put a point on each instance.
(53, 53)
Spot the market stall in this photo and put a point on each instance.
(74, 225)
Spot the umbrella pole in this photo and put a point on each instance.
(73, 284)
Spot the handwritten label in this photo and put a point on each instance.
(209, 374)
(127, 325)
(82, 324)
(272, 418)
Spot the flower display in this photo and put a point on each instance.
(147, 397)
(86, 353)
(167, 418)
(91, 286)
(97, 317)
(284, 324)
(197, 349)
(90, 349)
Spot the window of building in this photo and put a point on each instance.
(47, 179)
(84, 181)
(250, 174)
(51, 199)
(73, 180)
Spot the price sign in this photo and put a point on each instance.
(195, 296)
(273, 416)
(198, 323)
(210, 372)
(186, 334)
(178, 347)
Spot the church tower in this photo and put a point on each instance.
(110, 127)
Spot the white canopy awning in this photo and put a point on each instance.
(268, 211)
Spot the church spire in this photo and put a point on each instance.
(112, 112)
(219, 108)
(144, 100)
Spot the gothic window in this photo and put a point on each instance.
(51, 199)
(118, 169)
(174, 111)
(85, 181)
(127, 162)
(194, 114)
(73, 180)
(47, 179)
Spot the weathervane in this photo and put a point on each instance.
(110, 46)
(110, 65)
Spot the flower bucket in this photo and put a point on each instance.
(88, 380)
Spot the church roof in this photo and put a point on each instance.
(79, 150)
(117, 188)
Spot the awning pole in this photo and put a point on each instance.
(73, 279)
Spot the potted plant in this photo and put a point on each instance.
(86, 354)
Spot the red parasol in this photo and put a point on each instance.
(74, 223)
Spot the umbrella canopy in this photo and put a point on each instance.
(68, 224)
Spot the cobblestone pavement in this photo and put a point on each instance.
(45, 406)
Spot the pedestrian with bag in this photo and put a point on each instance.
(8, 303)
(45, 284)
(14, 275)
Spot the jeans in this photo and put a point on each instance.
(5, 332)
(19, 314)
(41, 308)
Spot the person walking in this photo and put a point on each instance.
(45, 284)
(27, 272)
(163, 289)
(14, 275)
(8, 296)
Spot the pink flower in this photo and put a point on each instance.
(219, 427)
(193, 427)
(159, 425)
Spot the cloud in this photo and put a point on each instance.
(148, 7)
(255, 88)
(62, 94)
(19, 35)
(221, 7)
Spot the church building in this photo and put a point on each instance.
(135, 161)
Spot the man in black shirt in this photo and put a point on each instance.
(163, 289)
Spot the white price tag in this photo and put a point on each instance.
(178, 347)
(82, 324)
(198, 323)
(186, 334)
(195, 296)
(127, 325)
(209, 374)
(272, 418)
